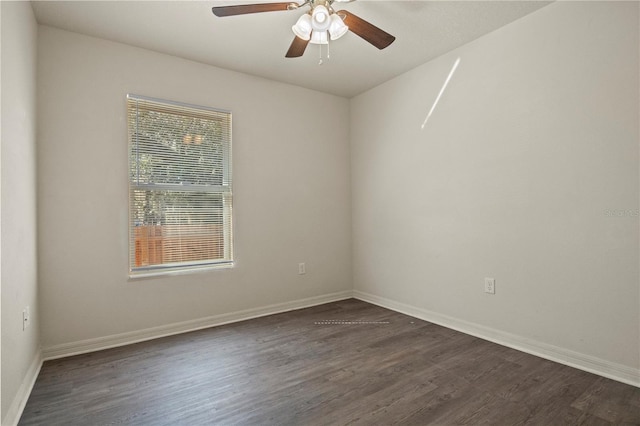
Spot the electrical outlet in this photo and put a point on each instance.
(490, 285)
(302, 269)
(26, 318)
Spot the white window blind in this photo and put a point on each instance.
(180, 194)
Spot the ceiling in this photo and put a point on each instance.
(256, 44)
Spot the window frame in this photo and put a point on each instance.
(225, 191)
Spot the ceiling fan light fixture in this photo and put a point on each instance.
(319, 37)
(320, 18)
(303, 27)
(317, 26)
(337, 28)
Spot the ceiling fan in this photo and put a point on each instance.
(317, 25)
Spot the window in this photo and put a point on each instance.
(180, 193)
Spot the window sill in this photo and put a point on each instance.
(182, 271)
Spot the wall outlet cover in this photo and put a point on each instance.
(490, 285)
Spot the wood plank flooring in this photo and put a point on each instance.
(342, 363)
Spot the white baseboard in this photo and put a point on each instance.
(112, 341)
(611, 370)
(20, 400)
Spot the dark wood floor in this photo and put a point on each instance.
(347, 362)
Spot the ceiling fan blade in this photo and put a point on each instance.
(297, 48)
(243, 9)
(366, 30)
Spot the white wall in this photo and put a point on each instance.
(291, 192)
(532, 147)
(20, 349)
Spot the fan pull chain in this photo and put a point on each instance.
(320, 61)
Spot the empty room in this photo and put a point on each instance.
(320, 212)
